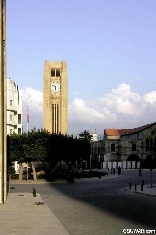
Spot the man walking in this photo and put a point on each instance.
(140, 172)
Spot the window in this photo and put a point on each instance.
(52, 72)
(10, 131)
(133, 147)
(113, 147)
(147, 144)
(57, 72)
(19, 118)
(151, 144)
(11, 117)
(155, 144)
(19, 131)
(10, 102)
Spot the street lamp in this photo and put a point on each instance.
(27, 170)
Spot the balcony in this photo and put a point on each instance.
(11, 108)
(12, 123)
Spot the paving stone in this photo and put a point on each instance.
(28, 215)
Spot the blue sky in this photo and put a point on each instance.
(109, 46)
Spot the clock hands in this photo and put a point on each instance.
(55, 87)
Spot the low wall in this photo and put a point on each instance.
(122, 164)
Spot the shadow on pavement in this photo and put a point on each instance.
(106, 195)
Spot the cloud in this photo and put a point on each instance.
(33, 101)
(150, 98)
(120, 108)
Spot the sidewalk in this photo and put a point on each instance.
(147, 190)
(24, 214)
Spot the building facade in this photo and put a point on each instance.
(14, 109)
(3, 157)
(97, 151)
(55, 97)
(127, 148)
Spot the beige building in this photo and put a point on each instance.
(3, 161)
(127, 148)
(55, 97)
(130, 144)
(14, 109)
(14, 112)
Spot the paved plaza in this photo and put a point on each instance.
(25, 214)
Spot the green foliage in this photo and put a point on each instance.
(37, 144)
(40, 145)
(150, 162)
(11, 170)
(31, 146)
(17, 147)
(85, 135)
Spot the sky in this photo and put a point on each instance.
(110, 50)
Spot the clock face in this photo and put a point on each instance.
(55, 87)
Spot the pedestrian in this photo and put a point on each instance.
(114, 171)
(119, 170)
(140, 172)
(99, 175)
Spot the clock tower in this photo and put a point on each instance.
(55, 97)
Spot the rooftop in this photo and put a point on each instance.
(119, 132)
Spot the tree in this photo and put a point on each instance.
(28, 147)
(40, 145)
(76, 150)
(85, 135)
(57, 144)
(17, 150)
(37, 145)
(150, 139)
(150, 165)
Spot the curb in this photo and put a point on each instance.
(77, 180)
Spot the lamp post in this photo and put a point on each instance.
(27, 170)
(90, 161)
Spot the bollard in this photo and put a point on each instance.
(130, 185)
(142, 187)
(135, 187)
(34, 192)
(142, 182)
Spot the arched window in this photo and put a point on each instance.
(113, 147)
(151, 144)
(155, 144)
(147, 144)
(133, 147)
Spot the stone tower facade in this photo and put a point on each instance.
(55, 97)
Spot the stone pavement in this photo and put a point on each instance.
(24, 214)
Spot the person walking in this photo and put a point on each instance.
(99, 173)
(140, 172)
(119, 170)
